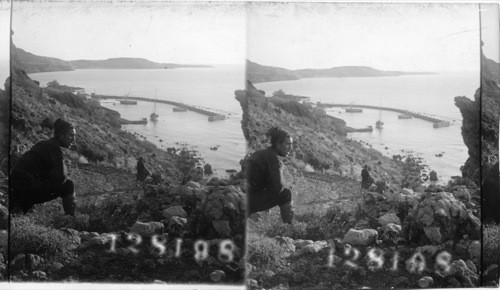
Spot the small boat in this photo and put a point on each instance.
(379, 124)
(179, 109)
(154, 116)
(353, 110)
(366, 129)
(441, 124)
(403, 116)
(128, 102)
(134, 122)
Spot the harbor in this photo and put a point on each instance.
(437, 123)
(212, 116)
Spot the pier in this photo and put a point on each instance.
(437, 123)
(212, 116)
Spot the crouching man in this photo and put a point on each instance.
(264, 176)
(40, 174)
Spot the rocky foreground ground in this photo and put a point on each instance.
(402, 233)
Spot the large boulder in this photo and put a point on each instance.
(222, 214)
(360, 237)
(440, 217)
(389, 218)
(147, 229)
(174, 211)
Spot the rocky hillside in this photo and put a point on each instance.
(319, 140)
(178, 201)
(31, 63)
(257, 73)
(480, 133)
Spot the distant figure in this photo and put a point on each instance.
(366, 179)
(40, 174)
(264, 175)
(142, 172)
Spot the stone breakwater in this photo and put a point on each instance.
(212, 116)
(406, 112)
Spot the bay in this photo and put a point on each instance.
(430, 94)
(219, 143)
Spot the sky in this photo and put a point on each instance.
(386, 36)
(175, 32)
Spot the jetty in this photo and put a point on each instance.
(437, 123)
(212, 116)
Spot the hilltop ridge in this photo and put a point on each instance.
(257, 73)
(32, 63)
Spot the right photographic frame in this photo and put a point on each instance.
(372, 141)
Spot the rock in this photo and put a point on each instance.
(252, 283)
(33, 261)
(429, 250)
(19, 262)
(40, 275)
(200, 195)
(471, 266)
(301, 243)
(193, 185)
(2, 259)
(407, 191)
(287, 243)
(462, 193)
(360, 237)
(217, 275)
(433, 234)
(177, 223)
(463, 273)
(389, 218)
(224, 204)
(4, 217)
(147, 229)
(314, 247)
(56, 267)
(440, 217)
(159, 282)
(174, 211)
(214, 181)
(207, 169)
(222, 227)
(4, 237)
(475, 251)
(268, 274)
(96, 241)
(392, 228)
(425, 282)
(86, 236)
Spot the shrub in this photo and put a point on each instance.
(263, 251)
(26, 236)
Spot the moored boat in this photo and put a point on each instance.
(179, 109)
(404, 116)
(128, 102)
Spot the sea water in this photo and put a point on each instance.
(213, 88)
(432, 95)
(219, 143)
